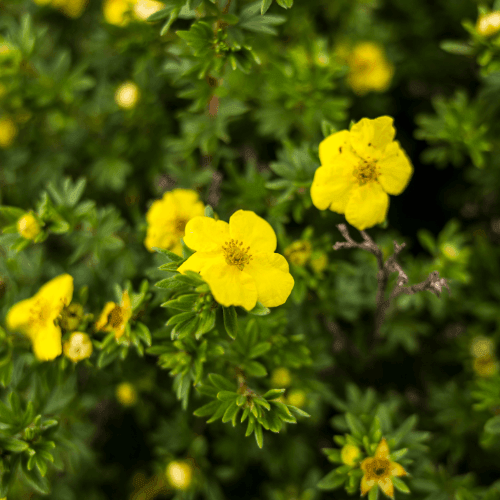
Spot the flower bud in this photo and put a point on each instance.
(179, 475)
(78, 347)
(296, 398)
(126, 394)
(488, 24)
(350, 454)
(281, 377)
(8, 132)
(127, 95)
(28, 227)
(71, 316)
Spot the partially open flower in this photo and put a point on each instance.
(78, 347)
(28, 227)
(114, 317)
(350, 454)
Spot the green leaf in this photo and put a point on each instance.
(170, 256)
(275, 423)
(231, 412)
(178, 318)
(170, 284)
(230, 321)
(161, 14)
(259, 349)
(207, 409)
(209, 211)
(250, 426)
(457, 47)
(220, 382)
(259, 436)
(265, 6)
(403, 430)
(298, 411)
(286, 4)
(262, 402)
(259, 310)
(226, 395)
(220, 412)
(255, 369)
(283, 412)
(14, 445)
(173, 16)
(332, 481)
(355, 425)
(492, 425)
(206, 324)
(400, 485)
(373, 494)
(273, 393)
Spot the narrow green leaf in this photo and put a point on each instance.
(273, 394)
(226, 395)
(171, 256)
(265, 6)
(331, 481)
(355, 425)
(220, 412)
(259, 310)
(207, 409)
(492, 425)
(220, 382)
(298, 411)
(259, 436)
(250, 426)
(231, 411)
(259, 349)
(230, 321)
(400, 485)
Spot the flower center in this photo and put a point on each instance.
(115, 317)
(180, 225)
(235, 254)
(366, 171)
(378, 468)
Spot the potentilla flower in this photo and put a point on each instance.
(368, 68)
(167, 219)
(36, 317)
(281, 377)
(78, 347)
(70, 8)
(488, 24)
(296, 398)
(350, 454)
(145, 8)
(179, 474)
(28, 227)
(485, 366)
(127, 95)
(126, 394)
(359, 169)
(114, 317)
(8, 132)
(237, 260)
(118, 12)
(379, 470)
(298, 252)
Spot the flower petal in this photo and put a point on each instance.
(19, 315)
(395, 169)
(397, 470)
(58, 292)
(188, 204)
(102, 323)
(382, 450)
(253, 231)
(274, 282)
(205, 234)
(366, 485)
(386, 486)
(367, 206)
(332, 185)
(369, 138)
(200, 261)
(332, 146)
(47, 342)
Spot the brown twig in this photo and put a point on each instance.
(433, 283)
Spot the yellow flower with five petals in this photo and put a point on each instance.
(237, 260)
(359, 169)
(114, 317)
(36, 316)
(379, 470)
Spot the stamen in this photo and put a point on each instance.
(235, 254)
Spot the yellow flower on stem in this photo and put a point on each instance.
(488, 24)
(78, 347)
(114, 317)
(167, 219)
(28, 227)
(36, 317)
(359, 169)
(237, 260)
(379, 470)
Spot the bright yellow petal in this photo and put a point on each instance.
(187, 203)
(397, 470)
(382, 450)
(386, 486)
(365, 463)
(332, 146)
(101, 323)
(47, 342)
(332, 185)
(205, 234)
(395, 169)
(126, 306)
(58, 292)
(253, 231)
(19, 315)
(274, 282)
(367, 206)
(199, 261)
(229, 285)
(366, 485)
(369, 138)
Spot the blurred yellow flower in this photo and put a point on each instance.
(70, 8)
(379, 470)
(296, 398)
(319, 262)
(488, 24)
(237, 260)
(485, 366)
(298, 252)
(126, 394)
(179, 474)
(482, 346)
(8, 132)
(167, 219)
(281, 377)
(114, 317)
(368, 68)
(359, 168)
(36, 317)
(118, 12)
(127, 95)
(145, 8)
(350, 454)
(28, 227)
(71, 316)
(450, 251)
(78, 347)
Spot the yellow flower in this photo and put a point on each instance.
(36, 316)
(485, 366)
(450, 251)
(126, 394)
(114, 317)
(237, 260)
(281, 377)
(179, 474)
(71, 316)
(319, 262)
(78, 347)
(488, 24)
(368, 68)
(482, 346)
(167, 219)
(359, 168)
(379, 470)
(127, 95)
(28, 227)
(296, 398)
(8, 132)
(71, 8)
(118, 12)
(350, 454)
(145, 8)
(298, 252)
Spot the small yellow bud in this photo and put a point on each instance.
(127, 95)
(126, 394)
(298, 252)
(28, 227)
(350, 454)
(450, 251)
(145, 8)
(488, 24)
(179, 475)
(8, 132)
(281, 378)
(481, 346)
(78, 347)
(296, 398)
(71, 316)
